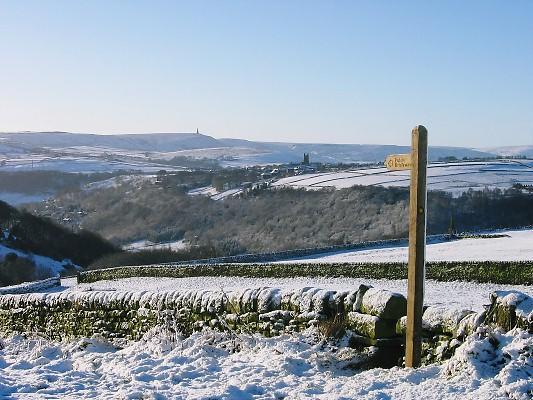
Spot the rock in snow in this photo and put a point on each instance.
(384, 304)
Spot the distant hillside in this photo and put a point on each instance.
(513, 151)
(346, 153)
(32, 237)
(140, 142)
(62, 150)
(455, 178)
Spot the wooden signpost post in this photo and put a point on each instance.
(417, 163)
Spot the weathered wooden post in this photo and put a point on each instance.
(417, 246)
(417, 163)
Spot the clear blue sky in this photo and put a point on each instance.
(330, 71)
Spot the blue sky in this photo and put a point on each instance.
(329, 72)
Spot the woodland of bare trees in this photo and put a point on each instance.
(282, 219)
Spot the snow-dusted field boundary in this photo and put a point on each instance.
(29, 287)
(375, 317)
(457, 246)
(288, 254)
(504, 272)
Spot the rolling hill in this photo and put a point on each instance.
(89, 152)
(454, 178)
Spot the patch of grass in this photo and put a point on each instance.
(333, 328)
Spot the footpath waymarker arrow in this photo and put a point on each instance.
(398, 162)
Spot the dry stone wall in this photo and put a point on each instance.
(370, 316)
(270, 311)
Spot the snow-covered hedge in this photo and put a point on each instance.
(503, 272)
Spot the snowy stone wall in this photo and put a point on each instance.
(370, 316)
(269, 311)
(511, 309)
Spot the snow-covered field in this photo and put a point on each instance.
(214, 193)
(227, 193)
(81, 163)
(517, 245)
(135, 179)
(454, 177)
(210, 365)
(148, 245)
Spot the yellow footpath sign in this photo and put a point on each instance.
(398, 162)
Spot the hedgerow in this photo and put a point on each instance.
(502, 272)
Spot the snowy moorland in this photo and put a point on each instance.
(509, 245)
(455, 178)
(65, 151)
(211, 365)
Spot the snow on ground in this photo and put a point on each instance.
(32, 287)
(116, 181)
(215, 153)
(214, 193)
(516, 246)
(203, 191)
(211, 365)
(82, 163)
(227, 193)
(454, 177)
(148, 245)
(467, 295)
(45, 265)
